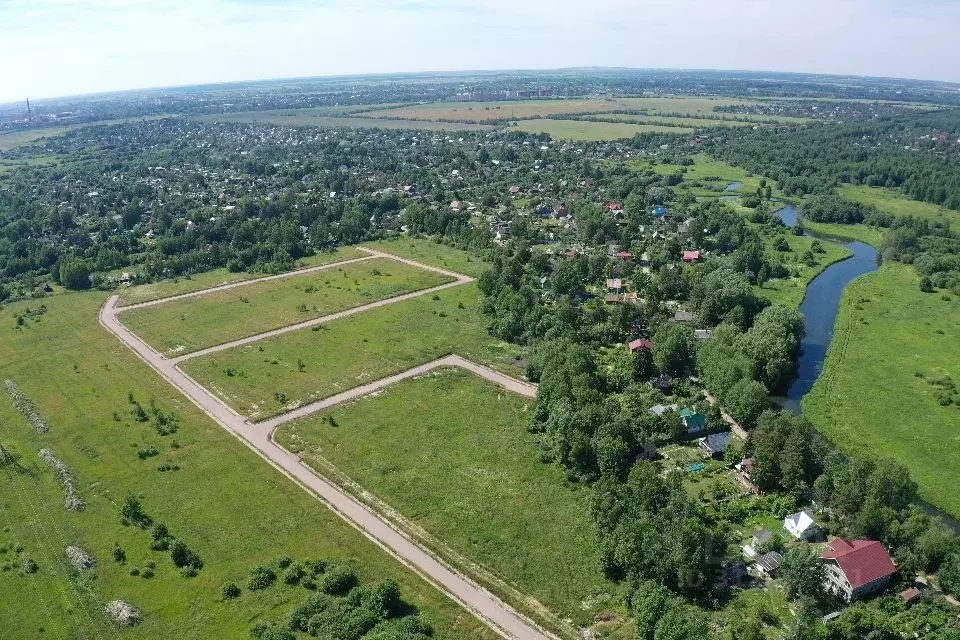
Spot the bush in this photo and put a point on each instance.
(294, 574)
(230, 590)
(260, 578)
(30, 565)
(183, 557)
(339, 581)
(301, 615)
(269, 631)
(119, 554)
(285, 562)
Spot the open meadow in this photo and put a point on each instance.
(450, 452)
(897, 204)
(590, 131)
(888, 386)
(869, 235)
(667, 121)
(216, 277)
(188, 324)
(264, 379)
(790, 291)
(432, 253)
(230, 507)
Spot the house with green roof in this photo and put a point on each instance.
(693, 422)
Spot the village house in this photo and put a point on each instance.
(752, 549)
(614, 284)
(802, 526)
(640, 343)
(683, 316)
(715, 444)
(856, 569)
(691, 256)
(693, 422)
(768, 564)
(660, 409)
(648, 452)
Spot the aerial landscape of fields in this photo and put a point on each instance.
(582, 353)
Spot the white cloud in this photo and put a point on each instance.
(61, 47)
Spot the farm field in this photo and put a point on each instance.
(321, 117)
(496, 110)
(217, 277)
(467, 471)
(897, 204)
(233, 509)
(590, 131)
(264, 379)
(896, 348)
(186, 325)
(431, 253)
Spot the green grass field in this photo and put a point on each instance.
(449, 451)
(20, 138)
(208, 279)
(231, 507)
(871, 398)
(432, 253)
(897, 204)
(711, 176)
(790, 291)
(347, 353)
(589, 131)
(186, 325)
(668, 121)
(861, 232)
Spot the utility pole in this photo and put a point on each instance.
(29, 113)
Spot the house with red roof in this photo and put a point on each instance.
(857, 568)
(640, 343)
(691, 256)
(625, 255)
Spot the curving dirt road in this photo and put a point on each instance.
(500, 616)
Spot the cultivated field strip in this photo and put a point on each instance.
(487, 607)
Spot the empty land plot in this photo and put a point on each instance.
(898, 204)
(432, 253)
(590, 131)
(264, 379)
(313, 118)
(790, 291)
(450, 452)
(182, 326)
(217, 277)
(888, 386)
(230, 506)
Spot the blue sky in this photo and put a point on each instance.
(65, 47)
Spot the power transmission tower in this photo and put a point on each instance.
(29, 113)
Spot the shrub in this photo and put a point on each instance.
(285, 562)
(339, 581)
(294, 574)
(119, 554)
(230, 590)
(269, 631)
(301, 615)
(260, 578)
(30, 565)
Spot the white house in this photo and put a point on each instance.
(802, 526)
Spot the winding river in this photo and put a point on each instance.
(820, 307)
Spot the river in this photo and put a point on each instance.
(820, 307)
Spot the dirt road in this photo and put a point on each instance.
(487, 607)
